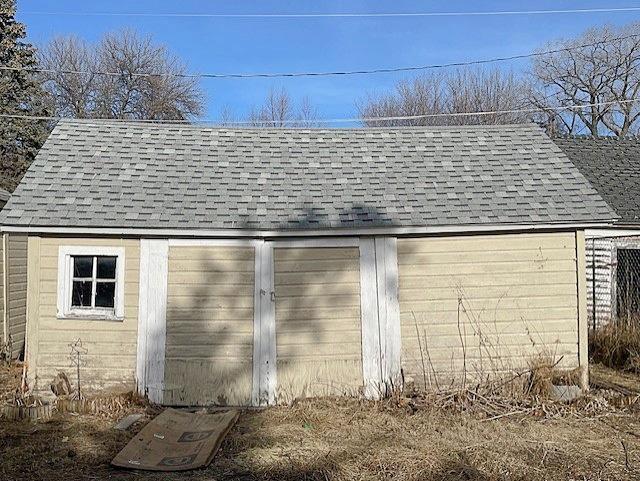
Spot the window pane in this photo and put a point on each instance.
(82, 266)
(81, 294)
(105, 294)
(106, 268)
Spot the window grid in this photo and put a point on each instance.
(94, 282)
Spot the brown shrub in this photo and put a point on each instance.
(616, 345)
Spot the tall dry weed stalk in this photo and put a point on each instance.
(486, 362)
(616, 345)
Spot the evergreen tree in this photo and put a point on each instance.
(20, 94)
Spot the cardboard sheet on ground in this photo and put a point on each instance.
(176, 441)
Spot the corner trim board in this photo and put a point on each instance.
(5, 290)
(33, 309)
(583, 321)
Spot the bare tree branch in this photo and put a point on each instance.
(279, 110)
(126, 96)
(606, 72)
(468, 90)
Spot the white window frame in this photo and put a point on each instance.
(65, 283)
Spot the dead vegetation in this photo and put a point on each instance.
(464, 434)
(617, 345)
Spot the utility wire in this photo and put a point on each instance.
(338, 15)
(330, 121)
(322, 74)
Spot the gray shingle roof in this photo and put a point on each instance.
(612, 165)
(101, 174)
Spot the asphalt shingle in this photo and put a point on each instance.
(134, 175)
(612, 166)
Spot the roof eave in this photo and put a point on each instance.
(320, 232)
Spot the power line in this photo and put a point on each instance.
(339, 15)
(322, 74)
(331, 121)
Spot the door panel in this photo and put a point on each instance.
(209, 343)
(318, 326)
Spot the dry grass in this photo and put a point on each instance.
(10, 377)
(616, 345)
(405, 438)
(602, 377)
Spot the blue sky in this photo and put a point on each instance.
(252, 45)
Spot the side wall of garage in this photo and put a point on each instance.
(110, 360)
(472, 306)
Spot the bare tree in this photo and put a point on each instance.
(606, 73)
(227, 117)
(72, 95)
(124, 76)
(279, 110)
(435, 99)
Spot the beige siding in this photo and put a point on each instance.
(475, 305)
(17, 291)
(110, 362)
(209, 348)
(318, 335)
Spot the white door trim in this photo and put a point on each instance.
(389, 311)
(152, 318)
(370, 328)
(264, 328)
(381, 341)
(380, 314)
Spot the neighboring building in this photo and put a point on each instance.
(13, 300)
(612, 166)
(251, 266)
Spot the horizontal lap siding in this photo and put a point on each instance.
(209, 349)
(17, 291)
(110, 362)
(485, 304)
(318, 334)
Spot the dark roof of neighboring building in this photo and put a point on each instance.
(140, 175)
(612, 166)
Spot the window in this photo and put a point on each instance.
(94, 281)
(90, 282)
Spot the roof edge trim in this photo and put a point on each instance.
(244, 233)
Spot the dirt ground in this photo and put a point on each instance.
(352, 440)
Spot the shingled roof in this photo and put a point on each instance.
(134, 175)
(612, 165)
